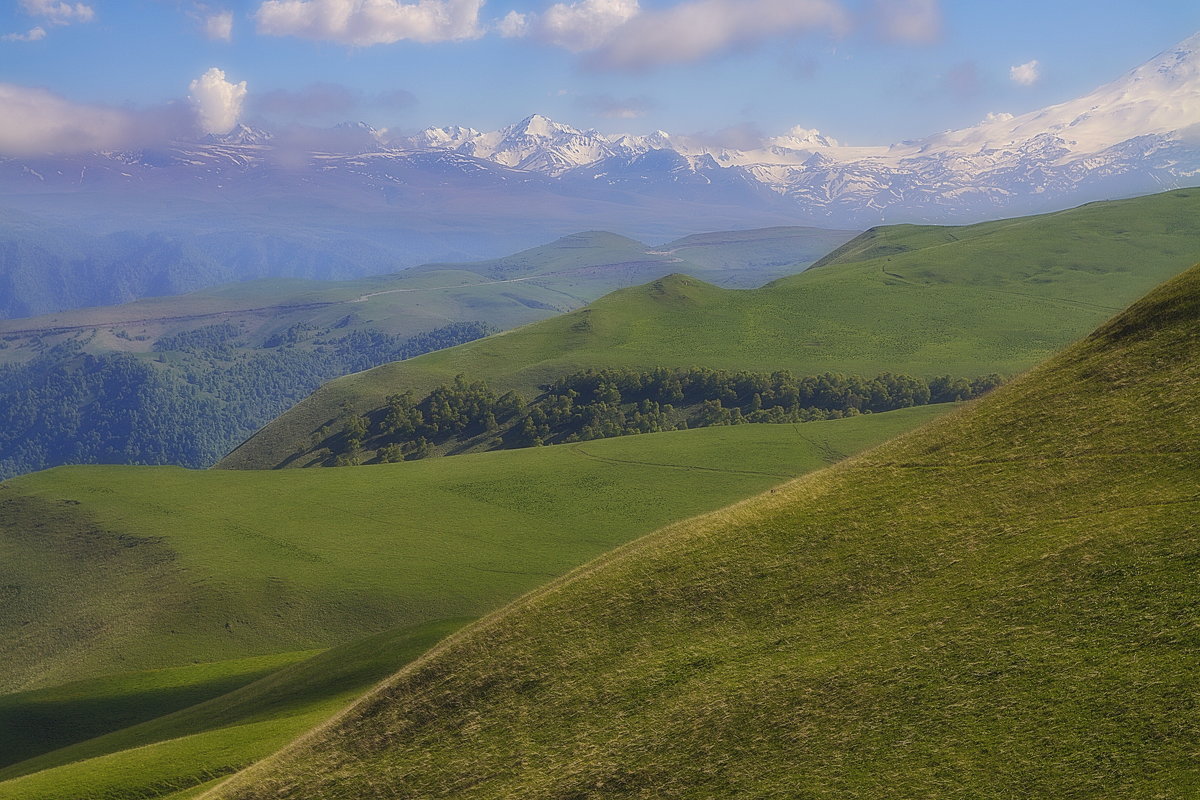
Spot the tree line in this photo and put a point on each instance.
(598, 404)
(195, 397)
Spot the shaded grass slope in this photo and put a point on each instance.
(1002, 604)
(998, 297)
(185, 749)
(109, 570)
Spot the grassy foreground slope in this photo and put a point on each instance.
(179, 751)
(118, 569)
(1002, 604)
(997, 297)
(513, 523)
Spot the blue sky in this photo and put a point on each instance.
(863, 71)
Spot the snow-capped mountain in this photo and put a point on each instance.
(1140, 133)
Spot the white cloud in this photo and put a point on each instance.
(34, 34)
(696, 29)
(514, 25)
(37, 121)
(219, 26)
(915, 21)
(59, 13)
(218, 102)
(585, 24)
(368, 22)
(996, 117)
(1026, 74)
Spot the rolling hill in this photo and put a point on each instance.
(994, 297)
(160, 626)
(1001, 604)
(182, 380)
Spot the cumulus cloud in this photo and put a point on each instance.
(218, 102)
(585, 24)
(219, 26)
(604, 105)
(912, 21)
(362, 23)
(995, 117)
(34, 34)
(1026, 74)
(513, 25)
(59, 13)
(696, 29)
(39, 122)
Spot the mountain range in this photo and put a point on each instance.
(352, 201)
(1136, 134)
(1139, 133)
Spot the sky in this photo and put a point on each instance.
(85, 73)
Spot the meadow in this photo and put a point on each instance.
(279, 597)
(1000, 604)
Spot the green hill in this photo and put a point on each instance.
(182, 380)
(159, 624)
(997, 297)
(1002, 604)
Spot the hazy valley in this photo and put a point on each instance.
(353, 463)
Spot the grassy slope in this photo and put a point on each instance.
(535, 513)
(41, 720)
(750, 255)
(503, 292)
(196, 744)
(236, 564)
(1000, 605)
(996, 297)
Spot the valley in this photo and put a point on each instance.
(996, 297)
(209, 368)
(685, 452)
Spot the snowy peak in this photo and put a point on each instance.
(1139, 133)
(1159, 98)
(356, 127)
(1179, 64)
(241, 135)
(444, 138)
(536, 126)
(800, 138)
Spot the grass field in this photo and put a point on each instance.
(997, 297)
(179, 751)
(162, 622)
(1002, 604)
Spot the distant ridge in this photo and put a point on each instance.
(919, 300)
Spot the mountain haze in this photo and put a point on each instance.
(925, 301)
(193, 213)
